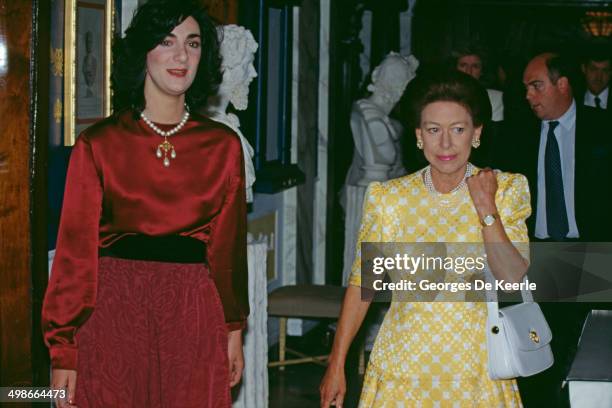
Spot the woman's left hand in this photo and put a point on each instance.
(483, 187)
(235, 355)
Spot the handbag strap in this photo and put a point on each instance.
(491, 295)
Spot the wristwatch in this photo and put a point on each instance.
(489, 219)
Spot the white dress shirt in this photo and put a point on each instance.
(565, 133)
(497, 104)
(589, 98)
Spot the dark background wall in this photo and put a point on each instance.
(505, 28)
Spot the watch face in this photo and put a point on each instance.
(489, 220)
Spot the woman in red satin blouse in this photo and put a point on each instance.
(148, 291)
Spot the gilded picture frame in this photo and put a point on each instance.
(88, 33)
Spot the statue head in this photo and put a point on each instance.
(238, 49)
(390, 78)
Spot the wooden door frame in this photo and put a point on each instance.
(23, 261)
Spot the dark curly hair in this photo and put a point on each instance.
(151, 23)
(451, 86)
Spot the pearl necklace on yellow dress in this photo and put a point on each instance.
(432, 189)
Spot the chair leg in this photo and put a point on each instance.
(282, 341)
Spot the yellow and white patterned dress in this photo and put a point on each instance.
(433, 354)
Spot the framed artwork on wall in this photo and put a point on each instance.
(88, 33)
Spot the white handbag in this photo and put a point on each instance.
(518, 337)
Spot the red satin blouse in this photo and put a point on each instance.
(117, 186)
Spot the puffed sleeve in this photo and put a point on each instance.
(370, 229)
(71, 293)
(514, 207)
(227, 252)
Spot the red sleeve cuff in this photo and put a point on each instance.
(64, 357)
(240, 325)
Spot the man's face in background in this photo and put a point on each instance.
(596, 75)
(471, 65)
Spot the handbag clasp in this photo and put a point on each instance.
(534, 336)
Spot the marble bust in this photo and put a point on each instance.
(377, 155)
(237, 47)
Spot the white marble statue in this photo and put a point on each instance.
(377, 155)
(238, 49)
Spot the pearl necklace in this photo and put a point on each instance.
(166, 146)
(432, 189)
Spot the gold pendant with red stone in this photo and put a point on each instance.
(164, 150)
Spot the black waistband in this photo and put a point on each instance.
(170, 248)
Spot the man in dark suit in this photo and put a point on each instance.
(565, 156)
(577, 158)
(596, 70)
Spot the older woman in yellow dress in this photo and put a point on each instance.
(433, 354)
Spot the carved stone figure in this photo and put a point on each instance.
(238, 49)
(377, 155)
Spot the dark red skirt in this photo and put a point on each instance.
(157, 338)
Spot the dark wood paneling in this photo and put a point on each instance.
(15, 244)
(224, 11)
(24, 31)
(39, 142)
